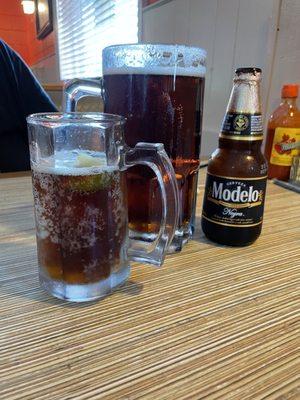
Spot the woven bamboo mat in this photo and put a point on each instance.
(213, 323)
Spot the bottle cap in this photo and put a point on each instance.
(252, 74)
(289, 90)
(248, 70)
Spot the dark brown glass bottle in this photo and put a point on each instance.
(234, 196)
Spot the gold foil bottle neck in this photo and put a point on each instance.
(245, 94)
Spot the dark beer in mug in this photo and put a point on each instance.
(81, 221)
(161, 105)
(78, 164)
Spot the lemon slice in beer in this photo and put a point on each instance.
(92, 180)
(85, 160)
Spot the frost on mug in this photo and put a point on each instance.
(78, 172)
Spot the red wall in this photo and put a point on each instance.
(13, 27)
(18, 30)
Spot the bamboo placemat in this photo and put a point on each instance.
(214, 322)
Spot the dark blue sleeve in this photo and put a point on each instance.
(20, 95)
(32, 96)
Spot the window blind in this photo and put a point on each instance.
(85, 27)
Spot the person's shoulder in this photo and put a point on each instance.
(8, 57)
(3, 45)
(5, 48)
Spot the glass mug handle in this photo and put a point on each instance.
(75, 89)
(154, 156)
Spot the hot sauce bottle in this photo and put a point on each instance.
(283, 135)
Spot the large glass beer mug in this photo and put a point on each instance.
(78, 166)
(159, 90)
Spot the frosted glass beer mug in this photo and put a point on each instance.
(78, 164)
(159, 89)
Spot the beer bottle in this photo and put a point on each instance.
(234, 196)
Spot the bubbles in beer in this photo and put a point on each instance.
(80, 216)
(159, 111)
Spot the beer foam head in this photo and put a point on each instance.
(154, 59)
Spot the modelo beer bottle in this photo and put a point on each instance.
(235, 189)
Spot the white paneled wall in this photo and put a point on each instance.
(286, 60)
(264, 33)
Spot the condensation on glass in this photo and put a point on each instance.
(78, 166)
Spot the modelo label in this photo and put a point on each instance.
(242, 124)
(236, 202)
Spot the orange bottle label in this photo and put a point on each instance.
(286, 145)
